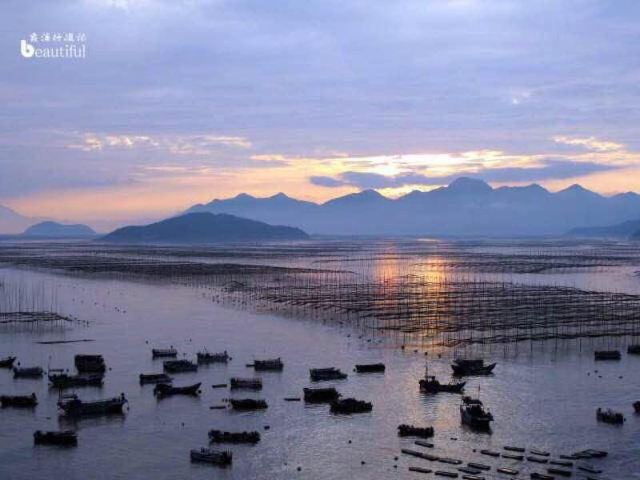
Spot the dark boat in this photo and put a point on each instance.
(588, 453)
(63, 380)
(559, 471)
(429, 384)
(65, 437)
(370, 368)
(29, 372)
(7, 362)
(20, 401)
(72, 406)
(323, 374)
(206, 357)
(218, 436)
(633, 349)
(90, 364)
(214, 457)
(510, 448)
(541, 476)
(513, 456)
(479, 466)
(350, 405)
(589, 469)
(609, 416)
(607, 355)
(636, 406)
(535, 459)
(248, 404)
(274, 365)
(164, 352)
(237, 383)
(151, 378)
(412, 431)
(462, 367)
(541, 453)
(320, 395)
(179, 366)
(164, 390)
(507, 471)
(473, 414)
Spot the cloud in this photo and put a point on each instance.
(590, 143)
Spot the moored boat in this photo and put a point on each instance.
(273, 364)
(588, 453)
(90, 364)
(559, 471)
(370, 368)
(634, 349)
(214, 457)
(164, 352)
(151, 378)
(609, 416)
(72, 406)
(405, 430)
(636, 406)
(473, 414)
(218, 436)
(164, 390)
(61, 380)
(20, 401)
(324, 374)
(541, 476)
(205, 357)
(607, 355)
(247, 404)
(64, 437)
(467, 367)
(429, 384)
(7, 362)
(350, 405)
(320, 395)
(28, 372)
(179, 366)
(237, 383)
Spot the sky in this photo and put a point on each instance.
(179, 102)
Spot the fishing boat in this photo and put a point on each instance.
(20, 401)
(164, 352)
(609, 416)
(607, 355)
(466, 367)
(540, 453)
(510, 448)
(561, 463)
(490, 453)
(165, 390)
(479, 466)
(535, 459)
(472, 477)
(324, 374)
(61, 380)
(513, 456)
(405, 430)
(64, 437)
(469, 470)
(7, 362)
(350, 405)
(214, 457)
(179, 366)
(218, 436)
(636, 406)
(429, 384)
(589, 469)
(28, 372)
(237, 383)
(72, 406)
(273, 365)
(507, 471)
(444, 473)
(473, 414)
(152, 378)
(559, 471)
(90, 364)
(589, 453)
(370, 368)
(247, 404)
(205, 357)
(320, 395)
(423, 455)
(634, 349)
(541, 476)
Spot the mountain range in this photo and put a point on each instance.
(58, 230)
(465, 207)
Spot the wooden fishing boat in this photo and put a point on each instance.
(490, 453)
(589, 469)
(20, 401)
(636, 406)
(535, 459)
(28, 372)
(422, 443)
(467, 367)
(429, 384)
(472, 477)
(510, 448)
(350, 405)
(247, 404)
(205, 357)
(633, 349)
(405, 430)
(559, 471)
(64, 437)
(479, 466)
(443, 473)
(419, 470)
(164, 352)
(61, 380)
(540, 453)
(607, 355)
(90, 364)
(165, 390)
(370, 368)
(72, 406)
(541, 476)
(423, 455)
(589, 453)
(609, 416)
(513, 456)
(152, 378)
(561, 463)
(179, 366)
(473, 414)
(450, 461)
(273, 365)
(507, 471)
(7, 362)
(237, 383)
(218, 436)
(214, 457)
(324, 374)
(469, 470)
(320, 395)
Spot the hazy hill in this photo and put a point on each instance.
(58, 230)
(619, 230)
(466, 207)
(12, 222)
(204, 227)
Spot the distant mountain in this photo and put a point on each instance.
(58, 230)
(11, 222)
(620, 230)
(466, 207)
(205, 227)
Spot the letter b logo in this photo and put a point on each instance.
(26, 49)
